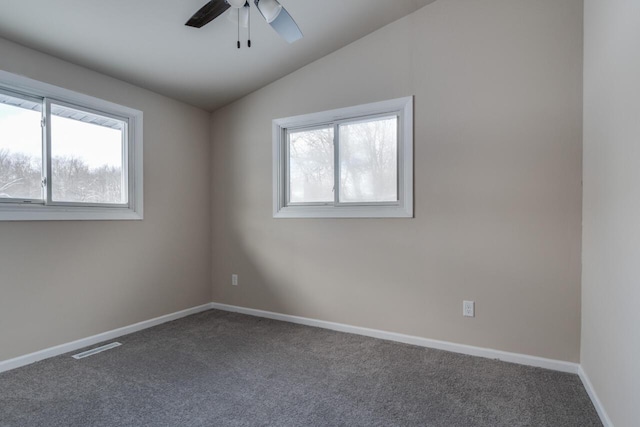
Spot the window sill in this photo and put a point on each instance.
(344, 212)
(57, 213)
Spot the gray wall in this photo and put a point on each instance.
(61, 281)
(611, 233)
(498, 130)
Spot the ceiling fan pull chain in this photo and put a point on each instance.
(238, 28)
(249, 26)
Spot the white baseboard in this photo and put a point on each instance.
(523, 359)
(27, 359)
(604, 417)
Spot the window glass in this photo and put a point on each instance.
(20, 148)
(311, 166)
(369, 161)
(87, 157)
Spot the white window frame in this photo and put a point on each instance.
(403, 208)
(36, 210)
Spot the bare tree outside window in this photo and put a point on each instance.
(67, 156)
(369, 161)
(20, 150)
(351, 162)
(311, 170)
(86, 159)
(86, 162)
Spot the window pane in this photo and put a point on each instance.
(311, 166)
(87, 157)
(369, 161)
(20, 148)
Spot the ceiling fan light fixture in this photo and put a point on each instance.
(244, 16)
(236, 4)
(270, 9)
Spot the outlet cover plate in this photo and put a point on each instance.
(469, 309)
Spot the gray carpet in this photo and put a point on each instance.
(224, 369)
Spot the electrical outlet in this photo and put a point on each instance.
(234, 279)
(468, 308)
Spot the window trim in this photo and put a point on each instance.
(133, 210)
(403, 208)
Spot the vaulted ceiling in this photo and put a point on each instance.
(145, 42)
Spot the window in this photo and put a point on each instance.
(347, 163)
(67, 156)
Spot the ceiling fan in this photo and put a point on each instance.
(271, 10)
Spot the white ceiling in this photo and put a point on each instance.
(145, 42)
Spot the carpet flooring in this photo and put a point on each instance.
(225, 369)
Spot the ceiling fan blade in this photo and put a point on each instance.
(208, 13)
(286, 27)
(277, 16)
